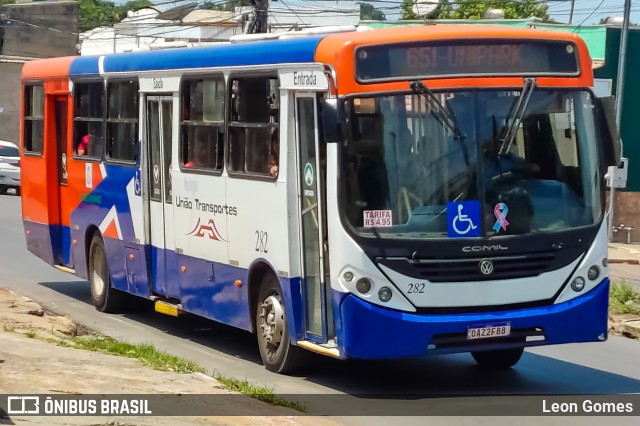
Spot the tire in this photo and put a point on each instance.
(500, 359)
(105, 298)
(17, 189)
(274, 341)
(3, 189)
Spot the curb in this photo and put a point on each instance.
(629, 261)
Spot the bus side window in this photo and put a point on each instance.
(33, 118)
(88, 119)
(253, 130)
(202, 124)
(122, 120)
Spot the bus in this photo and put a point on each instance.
(358, 194)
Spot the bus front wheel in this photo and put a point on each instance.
(274, 341)
(105, 298)
(500, 359)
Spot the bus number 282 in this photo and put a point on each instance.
(416, 288)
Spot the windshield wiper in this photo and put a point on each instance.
(518, 115)
(440, 111)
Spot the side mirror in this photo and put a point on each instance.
(330, 113)
(611, 145)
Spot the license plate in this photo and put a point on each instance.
(489, 331)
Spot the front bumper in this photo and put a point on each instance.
(371, 332)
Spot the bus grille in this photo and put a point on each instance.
(456, 270)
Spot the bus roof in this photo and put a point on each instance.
(335, 49)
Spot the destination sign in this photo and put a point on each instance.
(465, 58)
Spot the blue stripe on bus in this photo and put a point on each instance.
(297, 50)
(372, 332)
(41, 239)
(84, 65)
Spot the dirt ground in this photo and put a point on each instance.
(32, 363)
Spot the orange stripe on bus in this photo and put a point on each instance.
(47, 68)
(338, 50)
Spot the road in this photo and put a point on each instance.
(627, 273)
(599, 368)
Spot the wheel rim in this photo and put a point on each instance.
(272, 320)
(97, 279)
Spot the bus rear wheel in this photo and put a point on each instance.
(500, 359)
(105, 298)
(274, 341)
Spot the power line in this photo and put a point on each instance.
(585, 19)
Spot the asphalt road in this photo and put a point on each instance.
(452, 381)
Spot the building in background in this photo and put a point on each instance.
(160, 27)
(180, 24)
(29, 31)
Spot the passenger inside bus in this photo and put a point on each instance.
(198, 154)
(274, 154)
(83, 145)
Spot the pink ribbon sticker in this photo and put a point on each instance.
(500, 211)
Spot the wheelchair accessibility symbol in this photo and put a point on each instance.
(463, 219)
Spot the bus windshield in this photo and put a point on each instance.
(402, 163)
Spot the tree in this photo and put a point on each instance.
(229, 6)
(132, 5)
(101, 13)
(369, 12)
(475, 9)
(97, 13)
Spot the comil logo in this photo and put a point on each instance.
(23, 405)
(475, 249)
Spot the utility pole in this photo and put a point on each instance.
(573, 3)
(622, 59)
(261, 11)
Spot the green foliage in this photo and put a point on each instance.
(132, 5)
(96, 13)
(148, 354)
(101, 13)
(369, 12)
(475, 9)
(624, 299)
(407, 13)
(229, 5)
(7, 2)
(261, 393)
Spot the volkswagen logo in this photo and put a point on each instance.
(486, 267)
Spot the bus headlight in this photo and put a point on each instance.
(578, 284)
(384, 294)
(363, 285)
(594, 273)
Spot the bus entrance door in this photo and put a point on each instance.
(59, 103)
(311, 217)
(159, 212)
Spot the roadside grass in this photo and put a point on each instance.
(150, 356)
(8, 328)
(31, 334)
(146, 353)
(624, 299)
(261, 393)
